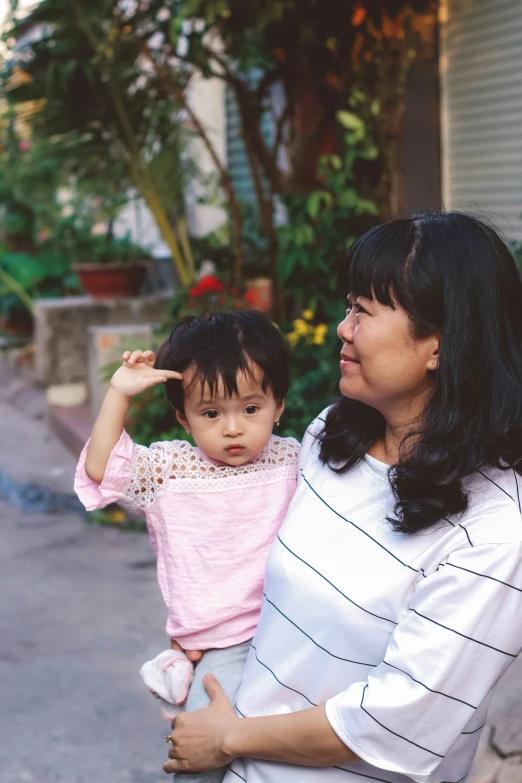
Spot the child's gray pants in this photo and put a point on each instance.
(227, 666)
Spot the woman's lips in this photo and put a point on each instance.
(347, 361)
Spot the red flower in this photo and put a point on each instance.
(234, 291)
(195, 291)
(250, 297)
(210, 285)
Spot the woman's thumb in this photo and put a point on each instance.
(212, 687)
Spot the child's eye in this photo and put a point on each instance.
(250, 409)
(211, 414)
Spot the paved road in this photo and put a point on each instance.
(80, 611)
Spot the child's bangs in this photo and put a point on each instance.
(376, 265)
(219, 373)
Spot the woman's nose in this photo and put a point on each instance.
(345, 328)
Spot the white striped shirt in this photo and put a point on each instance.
(402, 636)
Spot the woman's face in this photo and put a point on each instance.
(382, 364)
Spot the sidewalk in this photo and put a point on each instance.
(80, 611)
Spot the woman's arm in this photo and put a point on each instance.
(214, 736)
(136, 374)
(304, 738)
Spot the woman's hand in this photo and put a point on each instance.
(199, 737)
(137, 373)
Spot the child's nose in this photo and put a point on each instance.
(232, 426)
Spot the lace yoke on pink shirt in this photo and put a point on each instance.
(191, 471)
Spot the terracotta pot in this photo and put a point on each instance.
(111, 281)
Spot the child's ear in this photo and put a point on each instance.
(183, 421)
(279, 411)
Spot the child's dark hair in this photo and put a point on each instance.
(221, 345)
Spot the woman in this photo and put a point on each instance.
(393, 594)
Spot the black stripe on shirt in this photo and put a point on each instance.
(334, 587)
(510, 655)
(361, 775)
(458, 524)
(238, 710)
(484, 576)
(407, 565)
(518, 493)
(474, 730)
(339, 657)
(454, 698)
(498, 486)
(383, 780)
(394, 732)
(282, 683)
(237, 774)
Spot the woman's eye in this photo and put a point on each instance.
(250, 409)
(354, 306)
(211, 414)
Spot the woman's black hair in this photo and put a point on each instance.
(221, 345)
(450, 272)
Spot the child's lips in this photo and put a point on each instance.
(235, 449)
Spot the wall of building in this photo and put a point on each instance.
(481, 111)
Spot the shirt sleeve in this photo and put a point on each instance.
(461, 632)
(134, 477)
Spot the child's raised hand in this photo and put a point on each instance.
(137, 373)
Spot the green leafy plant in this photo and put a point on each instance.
(321, 225)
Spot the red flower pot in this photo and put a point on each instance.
(113, 280)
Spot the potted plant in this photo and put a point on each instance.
(117, 268)
(108, 266)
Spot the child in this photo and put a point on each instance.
(212, 511)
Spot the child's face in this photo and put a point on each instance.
(233, 429)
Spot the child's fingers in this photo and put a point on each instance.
(125, 355)
(162, 376)
(172, 374)
(135, 357)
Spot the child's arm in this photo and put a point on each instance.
(136, 374)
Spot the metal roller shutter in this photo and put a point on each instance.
(481, 109)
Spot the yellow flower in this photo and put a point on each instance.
(308, 314)
(300, 327)
(118, 516)
(293, 339)
(320, 334)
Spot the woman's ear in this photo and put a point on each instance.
(183, 421)
(433, 359)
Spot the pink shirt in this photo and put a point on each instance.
(211, 525)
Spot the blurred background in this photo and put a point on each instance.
(164, 157)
